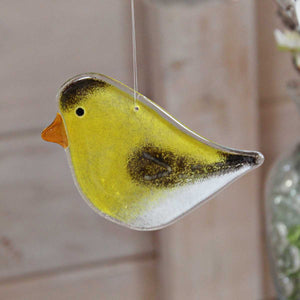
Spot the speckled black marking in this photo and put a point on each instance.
(237, 161)
(152, 166)
(74, 93)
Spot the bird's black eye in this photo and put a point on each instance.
(79, 111)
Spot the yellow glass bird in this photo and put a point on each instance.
(134, 163)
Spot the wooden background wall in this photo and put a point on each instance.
(212, 64)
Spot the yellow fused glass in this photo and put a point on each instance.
(133, 162)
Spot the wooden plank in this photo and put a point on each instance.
(127, 281)
(280, 130)
(46, 43)
(44, 222)
(204, 72)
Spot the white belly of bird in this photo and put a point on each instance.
(183, 199)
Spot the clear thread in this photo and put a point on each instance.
(134, 56)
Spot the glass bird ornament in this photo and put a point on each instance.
(131, 161)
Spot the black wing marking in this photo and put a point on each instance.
(154, 166)
(157, 167)
(158, 175)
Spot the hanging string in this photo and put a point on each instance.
(134, 58)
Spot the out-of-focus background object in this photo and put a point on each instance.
(216, 68)
(288, 12)
(283, 186)
(283, 217)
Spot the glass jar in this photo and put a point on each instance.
(283, 217)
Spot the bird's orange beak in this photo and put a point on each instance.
(56, 132)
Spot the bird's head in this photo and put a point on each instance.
(80, 99)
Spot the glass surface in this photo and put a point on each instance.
(132, 162)
(283, 217)
(283, 207)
